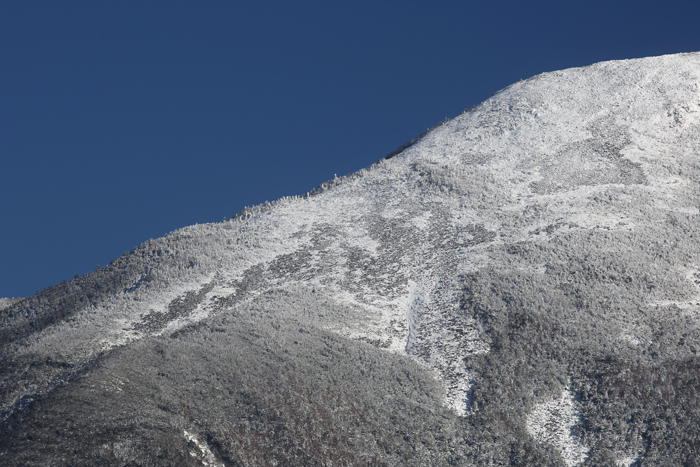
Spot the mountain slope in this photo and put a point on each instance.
(520, 286)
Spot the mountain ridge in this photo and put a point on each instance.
(495, 243)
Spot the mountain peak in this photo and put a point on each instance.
(499, 275)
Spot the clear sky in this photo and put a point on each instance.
(121, 121)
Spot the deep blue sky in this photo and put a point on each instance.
(122, 121)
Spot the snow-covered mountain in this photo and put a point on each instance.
(520, 286)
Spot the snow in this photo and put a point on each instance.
(204, 454)
(6, 302)
(628, 461)
(554, 422)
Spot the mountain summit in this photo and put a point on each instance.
(521, 286)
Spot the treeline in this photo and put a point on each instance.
(142, 266)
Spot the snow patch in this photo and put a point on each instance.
(415, 301)
(555, 422)
(630, 338)
(7, 302)
(423, 221)
(204, 455)
(628, 461)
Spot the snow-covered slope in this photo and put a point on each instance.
(607, 153)
(6, 302)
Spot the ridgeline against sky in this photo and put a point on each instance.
(519, 287)
(123, 121)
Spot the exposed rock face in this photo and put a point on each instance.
(520, 286)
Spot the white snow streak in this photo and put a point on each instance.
(204, 455)
(554, 422)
